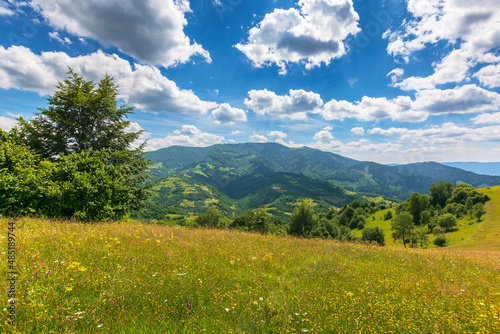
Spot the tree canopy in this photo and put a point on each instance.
(75, 158)
(81, 116)
(302, 220)
(402, 227)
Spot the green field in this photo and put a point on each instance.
(136, 278)
(469, 234)
(487, 235)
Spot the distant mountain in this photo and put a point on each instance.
(455, 175)
(243, 176)
(485, 168)
(247, 175)
(243, 159)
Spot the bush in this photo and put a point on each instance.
(388, 215)
(447, 221)
(478, 211)
(374, 235)
(209, 218)
(319, 232)
(440, 240)
(438, 230)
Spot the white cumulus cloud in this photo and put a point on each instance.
(489, 76)
(258, 138)
(277, 134)
(7, 123)
(4, 9)
(141, 86)
(324, 134)
(313, 34)
(358, 130)
(470, 26)
(229, 115)
(151, 31)
(64, 41)
(295, 105)
(188, 135)
(487, 119)
(459, 100)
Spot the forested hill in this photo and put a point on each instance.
(236, 164)
(452, 174)
(244, 159)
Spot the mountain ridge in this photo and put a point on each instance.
(261, 173)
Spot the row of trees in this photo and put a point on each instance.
(75, 158)
(303, 222)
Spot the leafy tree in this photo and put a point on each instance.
(346, 216)
(355, 204)
(344, 234)
(277, 226)
(460, 193)
(100, 186)
(388, 215)
(80, 117)
(319, 231)
(478, 211)
(245, 221)
(331, 213)
(402, 227)
(25, 182)
(374, 235)
(440, 192)
(425, 218)
(302, 220)
(438, 230)
(91, 171)
(416, 204)
(422, 238)
(210, 218)
(260, 221)
(447, 221)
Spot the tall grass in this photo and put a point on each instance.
(135, 278)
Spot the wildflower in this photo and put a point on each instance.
(99, 326)
(188, 304)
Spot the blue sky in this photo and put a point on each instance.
(388, 81)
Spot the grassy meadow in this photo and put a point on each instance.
(487, 235)
(135, 278)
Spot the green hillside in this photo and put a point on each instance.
(487, 234)
(253, 175)
(136, 278)
(469, 234)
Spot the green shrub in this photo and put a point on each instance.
(374, 235)
(440, 240)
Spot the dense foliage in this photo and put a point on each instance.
(75, 158)
(437, 213)
(80, 117)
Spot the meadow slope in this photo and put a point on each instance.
(136, 278)
(487, 235)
